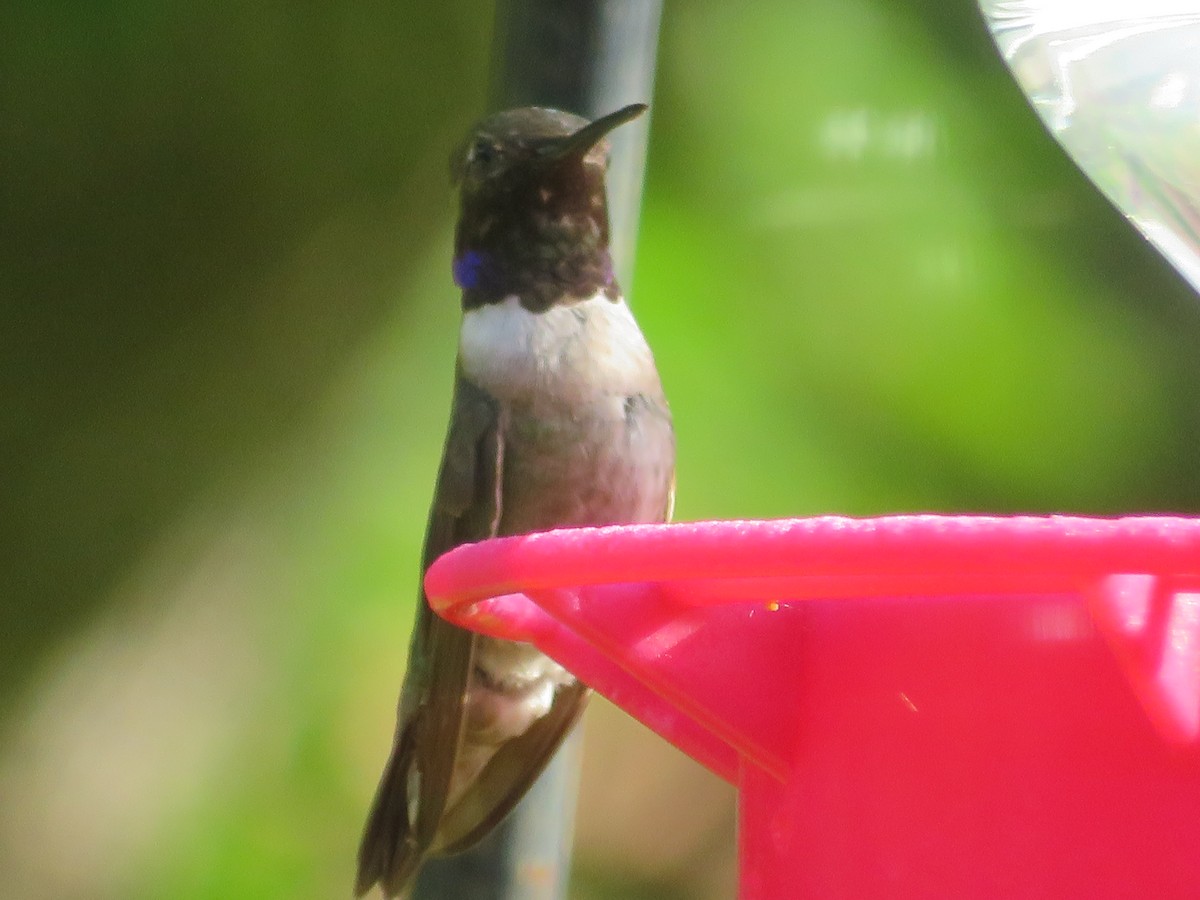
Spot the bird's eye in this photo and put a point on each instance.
(483, 153)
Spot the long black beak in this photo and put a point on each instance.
(588, 136)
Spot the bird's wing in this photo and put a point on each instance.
(510, 773)
(411, 799)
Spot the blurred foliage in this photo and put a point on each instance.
(872, 282)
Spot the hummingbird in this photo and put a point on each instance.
(558, 419)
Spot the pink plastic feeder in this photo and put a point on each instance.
(912, 706)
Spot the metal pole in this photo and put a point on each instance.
(587, 57)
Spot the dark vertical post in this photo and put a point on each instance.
(587, 57)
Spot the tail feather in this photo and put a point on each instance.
(413, 790)
(390, 852)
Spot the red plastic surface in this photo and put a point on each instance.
(914, 706)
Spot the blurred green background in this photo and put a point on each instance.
(872, 282)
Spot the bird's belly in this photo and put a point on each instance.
(604, 464)
(513, 686)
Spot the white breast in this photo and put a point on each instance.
(570, 352)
